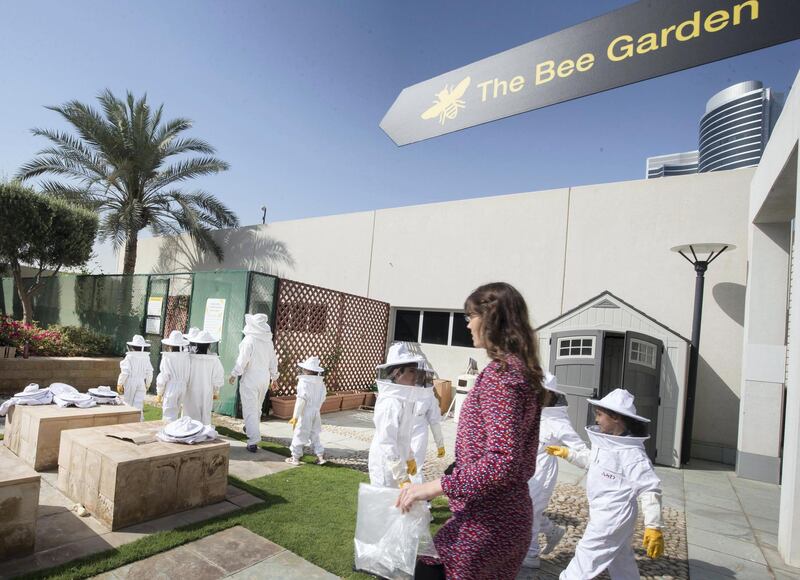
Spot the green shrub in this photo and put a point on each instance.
(79, 341)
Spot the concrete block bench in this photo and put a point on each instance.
(19, 502)
(122, 483)
(33, 433)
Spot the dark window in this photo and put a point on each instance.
(406, 325)
(435, 326)
(461, 334)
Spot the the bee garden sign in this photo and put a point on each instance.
(640, 41)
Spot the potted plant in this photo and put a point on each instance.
(351, 399)
(283, 406)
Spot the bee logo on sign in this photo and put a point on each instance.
(448, 102)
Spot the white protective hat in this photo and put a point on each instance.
(138, 340)
(103, 391)
(192, 332)
(256, 324)
(32, 390)
(203, 337)
(176, 338)
(311, 364)
(400, 355)
(551, 384)
(620, 401)
(183, 428)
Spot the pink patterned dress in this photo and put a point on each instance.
(496, 444)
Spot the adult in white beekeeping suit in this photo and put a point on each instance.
(426, 414)
(619, 472)
(135, 373)
(400, 385)
(554, 429)
(173, 375)
(306, 420)
(206, 377)
(257, 365)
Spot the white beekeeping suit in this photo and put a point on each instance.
(426, 414)
(306, 418)
(619, 472)
(554, 429)
(400, 382)
(173, 376)
(206, 376)
(257, 365)
(136, 373)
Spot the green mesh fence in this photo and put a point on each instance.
(154, 305)
(219, 303)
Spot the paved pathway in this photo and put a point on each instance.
(233, 553)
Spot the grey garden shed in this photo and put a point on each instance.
(606, 343)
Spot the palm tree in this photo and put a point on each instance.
(117, 164)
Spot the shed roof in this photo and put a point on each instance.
(598, 299)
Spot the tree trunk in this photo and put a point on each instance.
(22, 292)
(131, 247)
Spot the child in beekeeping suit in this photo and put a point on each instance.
(206, 377)
(554, 429)
(400, 385)
(173, 375)
(306, 420)
(257, 365)
(426, 415)
(619, 472)
(135, 373)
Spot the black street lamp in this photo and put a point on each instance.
(700, 266)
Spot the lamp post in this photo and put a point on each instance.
(708, 253)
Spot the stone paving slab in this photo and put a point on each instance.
(233, 553)
(247, 466)
(62, 536)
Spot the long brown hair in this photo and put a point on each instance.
(506, 327)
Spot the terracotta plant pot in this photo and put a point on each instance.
(283, 407)
(331, 404)
(351, 400)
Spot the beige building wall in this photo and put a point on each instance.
(559, 247)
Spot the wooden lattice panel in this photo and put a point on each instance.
(347, 332)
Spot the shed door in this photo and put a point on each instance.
(640, 376)
(575, 360)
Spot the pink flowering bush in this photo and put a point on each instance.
(53, 341)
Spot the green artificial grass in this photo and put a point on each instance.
(152, 413)
(310, 511)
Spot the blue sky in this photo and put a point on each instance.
(291, 95)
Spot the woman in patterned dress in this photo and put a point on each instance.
(496, 444)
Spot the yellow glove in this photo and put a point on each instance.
(215, 396)
(404, 483)
(411, 466)
(653, 542)
(120, 389)
(158, 399)
(562, 452)
(440, 452)
(293, 422)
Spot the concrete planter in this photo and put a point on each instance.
(80, 372)
(351, 400)
(370, 398)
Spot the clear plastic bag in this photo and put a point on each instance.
(387, 541)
